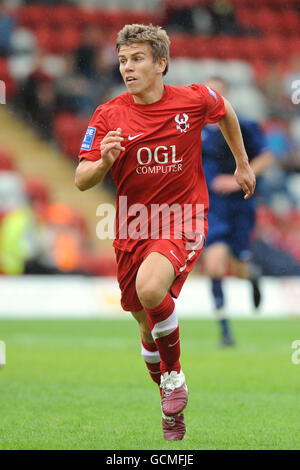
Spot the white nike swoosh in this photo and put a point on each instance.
(134, 136)
(172, 253)
(171, 345)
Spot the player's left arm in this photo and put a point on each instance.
(261, 162)
(230, 128)
(262, 158)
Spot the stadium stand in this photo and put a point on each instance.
(58, 64)
(38, 197)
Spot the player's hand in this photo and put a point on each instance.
(245, 177)
(224, 184)
(111, 147)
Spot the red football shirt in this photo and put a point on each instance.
(162, 161)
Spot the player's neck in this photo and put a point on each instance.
(150, 96)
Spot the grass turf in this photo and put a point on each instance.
(83, 385)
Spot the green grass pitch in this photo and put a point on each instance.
(83, 385)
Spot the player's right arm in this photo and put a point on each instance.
(89, 173)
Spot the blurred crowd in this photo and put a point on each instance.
(39, 236)
(58, 69)
(36, 236)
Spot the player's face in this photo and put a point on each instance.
(140, 73)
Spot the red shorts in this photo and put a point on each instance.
(128, 263)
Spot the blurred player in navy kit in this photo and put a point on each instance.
(231, 218)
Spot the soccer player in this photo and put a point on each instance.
(149, 138)
(230, 218)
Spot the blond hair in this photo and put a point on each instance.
(155, 36)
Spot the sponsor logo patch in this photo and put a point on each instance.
(88, 138)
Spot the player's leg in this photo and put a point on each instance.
(173, 426)
(149, 349)
(154, 279)
(153, 282)
(248, 270)
(216, 257)
(254, 278)
(128, 266)
(241, 262)
(216, 260)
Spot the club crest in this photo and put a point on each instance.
(182, 120)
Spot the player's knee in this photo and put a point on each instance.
(215, 268)
(150, 293)
(216, 259)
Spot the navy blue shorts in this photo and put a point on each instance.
(231, 220)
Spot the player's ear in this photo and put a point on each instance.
(161, 64)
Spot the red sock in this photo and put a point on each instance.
(152, 360)
(165, 331)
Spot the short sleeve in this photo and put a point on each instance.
(215, 105)
(97, 129)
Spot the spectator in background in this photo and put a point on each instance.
(37, 100)
(281, 142)
(63, 240)
(272, 87)
(12, 188)
(180, 18)
(188, 17)
(274, 253)
(7, 25)
(18, 239)
(222, 13)
(107, 75)
(62, 235)
(73, 92)
(216, 17)
(36, 236)
(273, 183)
(86, 55)
(89, 75)
(17, 225)
(273, 260)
